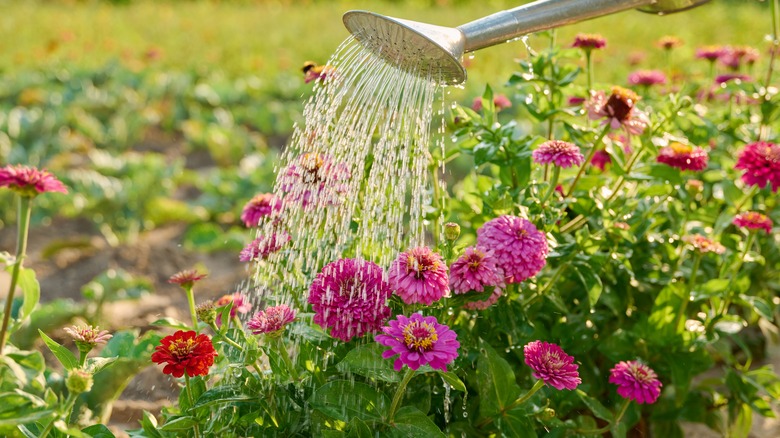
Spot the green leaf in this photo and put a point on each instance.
(172, 323)
(31, 290)
(96, 364)
(367, 361)
(223, 394)
(149, 425)
(591, 281)
(66, 358)
(410, 422)
(516, 423)
(180, 423)
(595, 406)
(453, 380)
(359, 429)
(98, 431)
(495, 381)
(344, 400)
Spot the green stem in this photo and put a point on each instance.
(23, 226)
(553, 183)
(69, 402)
(279, 344)
(191, 302)
(587, 160)
(547, 286)
(748, 196)
(680, 320)
(727, 301)
(775, 7)
(589, 68)
(437, 205)
(192, 401)
(612, 424)
(82, 358)
(621, 180)
(537, 386)
(399, 395)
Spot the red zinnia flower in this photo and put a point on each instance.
(589, 42)
(185, 352)
(753, 220)
(29, 181)
(683, 157)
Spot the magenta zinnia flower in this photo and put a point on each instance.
(262, 247)
(589, 41)
(271, 320)
(552, 365)
(761, 163)
(636, 381)
(683, 157)
(349, 297)
(618, 109)
(315, 179)
(728, 77)
(647, 77)
(260, 206)
(419, 276)
(521, 249)
(600, 159)
(703, 244)
(28, 181)
(710, 53)
(474, 270)
(484, 304)
(240, 304)
(419, 340)
(559, 153)
(753, 220)
(500, 101)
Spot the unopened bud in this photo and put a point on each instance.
(694, 186)
(78, 381)
(451, 231)
(206, 312)
(548, 414)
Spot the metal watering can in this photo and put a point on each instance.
(437, 50)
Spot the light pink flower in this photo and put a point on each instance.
(419, 276)
(618, 110)
(753, 220)
(29, 181)
(271, 320)
(636, 381)
(260, 206)
(552, 365)
(520, 249)
(559, 153)
(647, 77)
(474, 270)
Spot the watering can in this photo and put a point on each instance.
(435, 51)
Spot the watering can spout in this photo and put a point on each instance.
(435, 51)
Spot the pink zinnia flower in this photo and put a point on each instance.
(575, 100)
(559, 153)
(735, 56)
(500, 101)
(589, 41)
(753, 220)
(419, 340)
(552, 365)
(617, 110)
(600, 159)
(315, 179)
(260, 206)
(187, 278)
(703, 244)
(761, 163)
(636, 381)
(314, 72)
(669, 42)
(722, 79)
(710, 53)
(521, 249)
(647, 77)
(474, 270)
(349, 297)
(262, 247)
(240, 304)
(683, 157)
(419, 276)
(28, 181)
(88, 337)
(484, 304)
(271, 320)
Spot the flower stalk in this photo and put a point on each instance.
(191, 303)
(614, 423)
(399, 394)
(522, 399)
(680, 320)
(588, 159)
(23, 226)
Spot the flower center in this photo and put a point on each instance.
(680, 149)
(620, 103)
(420, 336)
(348, 287)
(640, 374)
(420, 263)
(772, 152)
(181, 347)
(475, 260)
(312, 165)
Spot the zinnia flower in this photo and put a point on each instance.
(588, 42)
(669, 42)
(600, 159)
(499, 100)
(240, 304)
(314, 72)
(735, 56)
(28, 181)
(761, 163)
(710, 53)
(683, 157)
(474, 270)
(647, 77)
(419, 276)
(552, 365)
(703, 244)
(722, 79)
(185, 352)
(521, 249)
(753, 220)
(484, 304)
(315, 179)
(88, 337)
(271, 320)
(618, 110)
(349, 297)
(187, 278)
(419, 340)
(636, 381)
(575, 100)
(262, 247)
(258, 207)
(559, 153)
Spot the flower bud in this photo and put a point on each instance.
(206, 312)
(78, 381)
(694, 186)
(451, 231)
(547, 414)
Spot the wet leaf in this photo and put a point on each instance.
(66, 358)
(495, 381)
(410, 422)
(344, 400)
(367, 361)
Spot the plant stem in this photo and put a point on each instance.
(286, 357)
(589, 68)
(612, 424)
(680, 320)
(748, 196)
(553, 183)
(547, 286)
(192, 400)
(775, 7)
(399, 394)
(191, 302)
(727, 301)
(82, 358)
(69, 402)
(587, 160)
(23, 226)
(621, 180)
(437, 230)
(523, 398)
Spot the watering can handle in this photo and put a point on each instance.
(547, 14)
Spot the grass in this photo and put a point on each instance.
(271, 38)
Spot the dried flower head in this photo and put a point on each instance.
(669, 42)
(753, 220)
(419, 340)
(520, 249)
(419, 276)
(349, 297)
(29, 181)
(263, 246)
(559, 153)
(647, 78)
(617, 110)
(272, 320)
(260, 206)
(704, 245)
(474, 270)
(588, 42)
(761, 163)
(187, 278)
(683, 157)
(552, 365)
(185, 352)
(636, 381)
(88, 337)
